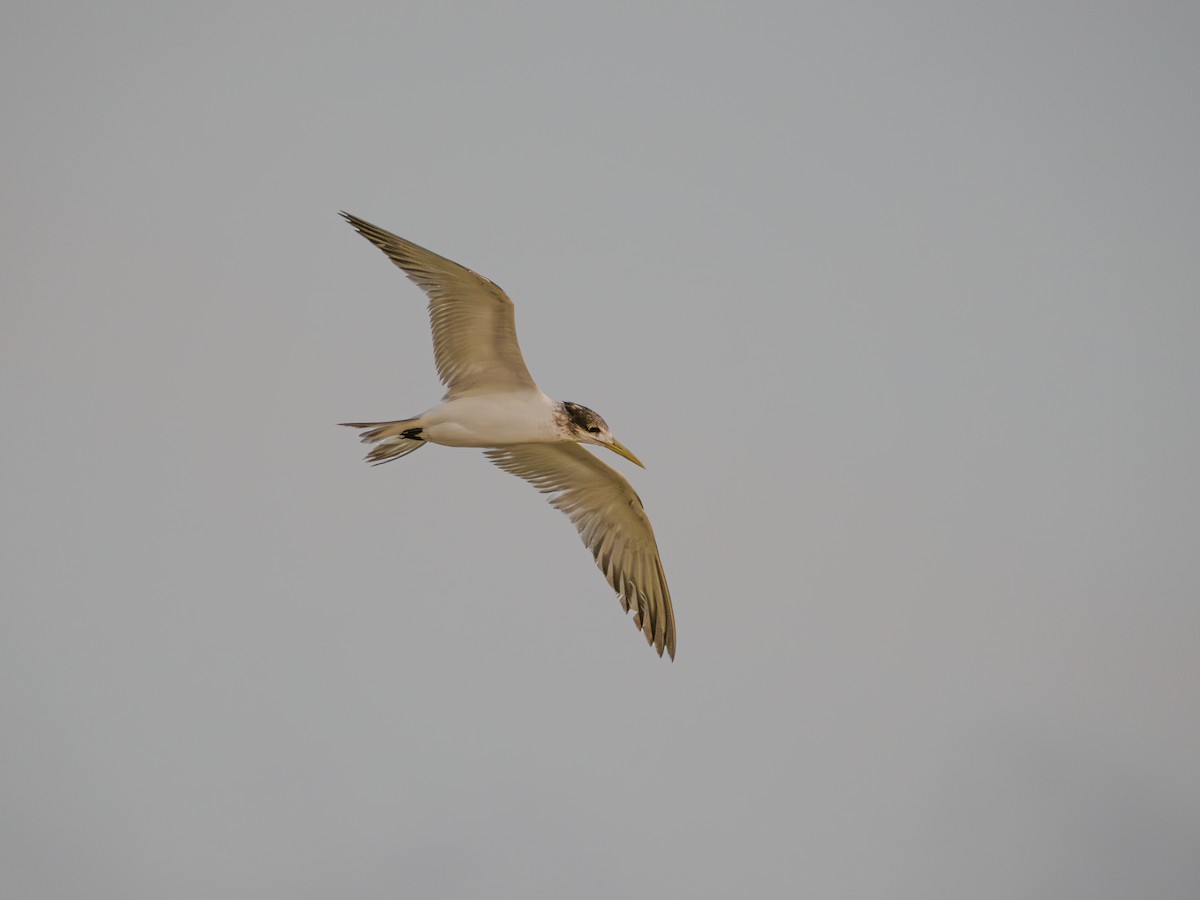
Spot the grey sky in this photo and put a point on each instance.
(897, 302)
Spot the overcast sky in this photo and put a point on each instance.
(899, 304)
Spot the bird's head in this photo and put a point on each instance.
(587, 427)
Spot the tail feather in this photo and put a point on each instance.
(388, 438)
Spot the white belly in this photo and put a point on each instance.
(492, 420)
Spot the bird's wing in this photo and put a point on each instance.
(474, 331)
(612, 522)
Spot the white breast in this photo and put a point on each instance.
(493, 420)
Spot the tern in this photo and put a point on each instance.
(492, 402)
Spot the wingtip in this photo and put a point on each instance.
(359, 225)
(669, 648)
(659, 642)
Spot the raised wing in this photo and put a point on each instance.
(610, 519)
(474, 331)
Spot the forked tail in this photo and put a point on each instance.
(392, 439)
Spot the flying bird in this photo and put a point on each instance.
(492, 402)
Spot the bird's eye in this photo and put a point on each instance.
(593, 429)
